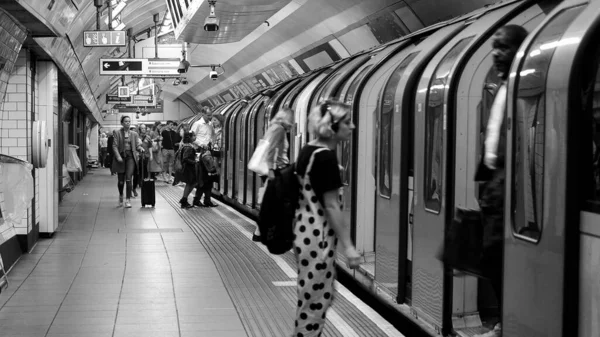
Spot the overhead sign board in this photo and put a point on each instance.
(150, 67)
(114, 99)
(143, 100)
(104, 38)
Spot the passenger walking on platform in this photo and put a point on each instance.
(103, 146)
(136, 172)
(277, 154)
(150, 167)
(207, 172)
(320, 222)
(125, 149)
(188, 162)
(491, 170)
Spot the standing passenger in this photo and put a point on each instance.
(169, 138)
(188, 162)
(277, 155)
(320, 222)
(207, 172)
(491, 171)
(203, 129)
(109, 145)
(125, 149)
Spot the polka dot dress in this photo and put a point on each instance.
(314, 245)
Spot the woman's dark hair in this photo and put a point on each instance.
(123, 118)
(187, 136)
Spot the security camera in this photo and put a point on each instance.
(211, 23)
(176, 82)
(183, 67)
(213, 75)
(184, 81)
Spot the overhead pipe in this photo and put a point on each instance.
(110, 18)
(98, 4)
(156, 21)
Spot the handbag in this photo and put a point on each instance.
(463, 243)
(259, 163)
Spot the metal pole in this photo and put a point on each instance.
(98, 4)
(110, 18)
(156, 20)
(129, 38)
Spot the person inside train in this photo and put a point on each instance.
(277, 156)
(320, 222)
(203, 128)
(491, 171)
(205, 177)
(126, 147)
(188, 173)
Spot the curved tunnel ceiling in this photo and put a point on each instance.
(295, 27)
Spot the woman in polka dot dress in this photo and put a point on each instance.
(320, 221)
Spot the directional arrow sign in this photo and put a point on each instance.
(111, 67)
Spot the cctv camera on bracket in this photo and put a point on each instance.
(213, 74)
(211, 23)
(184, 65)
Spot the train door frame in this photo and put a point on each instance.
(475, 87)
(251, 186)
(231, 152)
(226, 112)
(435, 96)
(362, 227)
(546, 303)
(240, 147)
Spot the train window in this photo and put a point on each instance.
(590, 78)
(386, 126)
(435, 124)
(529, 128)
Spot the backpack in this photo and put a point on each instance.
(277, 215)
(178, 163)
(278, 211)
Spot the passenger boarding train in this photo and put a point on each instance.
(421, 104)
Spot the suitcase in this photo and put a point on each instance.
(148, 192)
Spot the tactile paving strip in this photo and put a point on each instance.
(247, 272)
(359, 322)
(243, 265)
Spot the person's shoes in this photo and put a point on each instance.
(495, 332)
(184, 203)
(135, 194)
(120, 201)
(197, 203)
(255, 238)
(127, 203)
(210, 204)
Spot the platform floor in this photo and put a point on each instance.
(160, 272)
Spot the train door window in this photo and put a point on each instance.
(529, 128)
(386, 126)
(590, 75)
(435, 124)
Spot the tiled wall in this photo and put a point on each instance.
(15, 125)
(12, 36)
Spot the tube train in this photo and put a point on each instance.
(420, 104)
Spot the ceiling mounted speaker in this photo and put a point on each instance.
(40, 144)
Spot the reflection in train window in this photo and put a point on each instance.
(385, 128)
(529, 133)
(590, 76)
(435, 124)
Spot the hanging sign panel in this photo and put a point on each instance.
(104, 38)
(114, 99)
(118, 67)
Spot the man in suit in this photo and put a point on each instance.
(491, 172)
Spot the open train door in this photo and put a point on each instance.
(544, 182)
